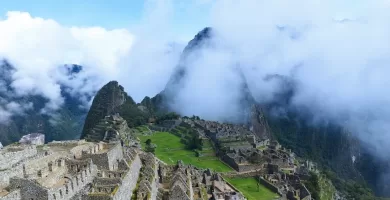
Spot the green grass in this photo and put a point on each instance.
(142, 128)
(327, 189)
(249, 187)
(170, 150)
(262, 147)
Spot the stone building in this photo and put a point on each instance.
(287, 185)
(33, 138)
(111, 128)
(68, 170)
(181, 182)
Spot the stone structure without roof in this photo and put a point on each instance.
(68, 170)
(33, 138)
(250, 155)
(101, 170)
(185, 182)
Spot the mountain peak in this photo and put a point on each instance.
(107, 100)
(202, 36)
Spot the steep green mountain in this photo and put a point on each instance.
(65, 124)
(112, 99)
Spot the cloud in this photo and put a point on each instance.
(39, 48)
(337, 55)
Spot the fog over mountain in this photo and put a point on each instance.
(336, 55)
(37, 49)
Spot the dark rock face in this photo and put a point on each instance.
(259, 123)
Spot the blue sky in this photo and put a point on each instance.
(188, 18)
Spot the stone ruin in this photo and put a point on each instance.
(33, 138)
(108, 129)
(289, 186)
(93, 171)
(101, 170)
(166, 125)
(111, 169)
(68, 170)
(181, 182)
(241, 149)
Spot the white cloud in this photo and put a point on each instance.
(342, 52)
(38, 48)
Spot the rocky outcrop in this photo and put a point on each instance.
(259, 123)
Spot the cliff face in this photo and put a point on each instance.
(259, 123)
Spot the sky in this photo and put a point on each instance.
(188, 18)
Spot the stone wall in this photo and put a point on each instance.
(250, 167)
(155, 183)
(13, 154)
(7, 174)
(101, 160)
(75, 184)
(52, 164)
(158, 128)
(115, 154)
(29, 189)
(108, 159)
(269, 185)
(243, 175)
(231, 162)
(129, 182)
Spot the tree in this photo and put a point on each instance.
(151, 148)
(148, 142)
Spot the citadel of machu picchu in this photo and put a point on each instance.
(116, 165)
(124, 153)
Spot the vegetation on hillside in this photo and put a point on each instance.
(112, 99)
(329, 146)
(170, 149)
(166, 116)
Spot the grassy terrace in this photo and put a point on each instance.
(170, 150)
(251, 190)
